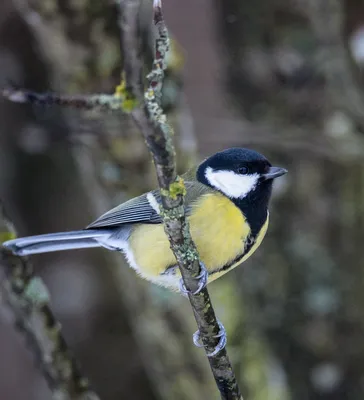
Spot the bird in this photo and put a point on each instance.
(226, 204)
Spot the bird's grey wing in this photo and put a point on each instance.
(136, 210)
(143, 209)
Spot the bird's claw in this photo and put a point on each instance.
(222, 342)
(202, 281)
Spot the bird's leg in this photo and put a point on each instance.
(222, 342)
(202, 281)
(202, 278)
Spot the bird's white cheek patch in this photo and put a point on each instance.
(231, 184)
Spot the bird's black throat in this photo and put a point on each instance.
(254, 206)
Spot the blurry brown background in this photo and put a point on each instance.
(284, 78)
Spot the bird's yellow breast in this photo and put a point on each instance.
(218, 228)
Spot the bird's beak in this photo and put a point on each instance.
(274, 172)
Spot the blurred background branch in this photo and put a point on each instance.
(29, 302)
(334, 58)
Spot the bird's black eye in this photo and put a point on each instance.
(243, 170)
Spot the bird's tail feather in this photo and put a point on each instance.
(56, 242)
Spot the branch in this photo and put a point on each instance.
(28, 300)
(158, 135)
(103, 102)
(327, 20)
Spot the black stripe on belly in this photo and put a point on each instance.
(249, 243)
(247, 247)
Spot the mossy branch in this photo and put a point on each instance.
(28, 299)
(158, 135)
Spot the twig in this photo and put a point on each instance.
(158, 135)
(103, 102)
(327, 20)
(28, 300)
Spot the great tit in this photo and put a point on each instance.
(226, 205)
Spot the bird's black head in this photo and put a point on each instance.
(243, 175)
